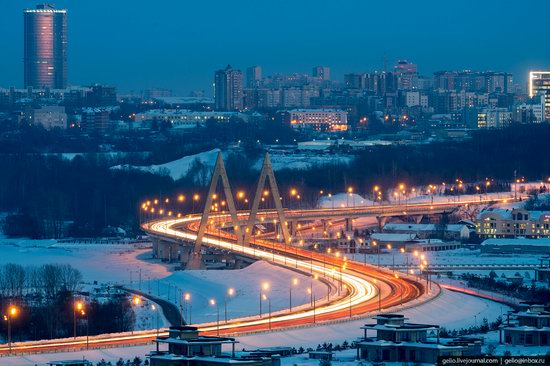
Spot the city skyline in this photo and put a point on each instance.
(181, 55)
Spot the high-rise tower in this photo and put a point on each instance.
(45, 59)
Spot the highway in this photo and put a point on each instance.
(364, 288)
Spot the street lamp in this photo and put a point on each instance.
(12, 312)
(230, 292)
(265, 297)
(294, 283)
(187, 298)
(156, 309)
(263, 287)
(213, 303)
(78, 307)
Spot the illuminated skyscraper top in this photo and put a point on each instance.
(45, 59)
(539, 84)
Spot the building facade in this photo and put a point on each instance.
(318, 119)
(228, 89)
(539, 84)
(95, 121)
(45, 47)
(502, 223)
(182, 118)
(529, 326)
(399, 341)
(50, 117)
(491, 118)
(253, 76)
(187, 348)
(321, 72)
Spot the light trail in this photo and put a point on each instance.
(360, 290)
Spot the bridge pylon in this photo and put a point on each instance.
(267, 174)
(195, 260)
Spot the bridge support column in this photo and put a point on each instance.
(293, 225)
(325, 228)
(381, 221)
(164, 250)
(155, 247)
(418, 219)
(349, 224)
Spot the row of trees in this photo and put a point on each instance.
(45, 298)
(516, 290)
(48, 193)
(42, 283)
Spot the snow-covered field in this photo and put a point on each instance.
(125, 264)
(206, 285)
(450, 309)
(179, 168)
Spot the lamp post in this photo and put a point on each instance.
(349, 293)
(136, 301)
(12, 312)
(268, 299)
(87, 329)
(230, 292)
(213, 303)
(263, 287)
(375, 244)
(294, 283)
(155, 308)
(78, 306)
(393, 257)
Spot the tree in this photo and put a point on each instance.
(490, 350)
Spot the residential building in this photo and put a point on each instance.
(253, 76)
(539, 84)
(530, 112)
(504, 223)
(45, 47)
(355, 81)
(399, 341)
(425, 231)
(183, 118)
(187, 347)
(416, 99)
(101, 96)
(407, 75)
(95, 121)
(542, 272)
(228, 89)
(318, 119)
(529, 326)
(321, 72)
(490, 118)
(473, 81)
(49, 117)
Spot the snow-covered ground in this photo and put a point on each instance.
(450, 309)
(206, 285)
(461, 256)
(126, 264)
(303, 161)
(179, 168)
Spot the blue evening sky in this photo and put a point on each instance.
(178, 44)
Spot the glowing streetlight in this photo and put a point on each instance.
(230, 293)
(78, 307)
(213, 303)
(12, 313)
